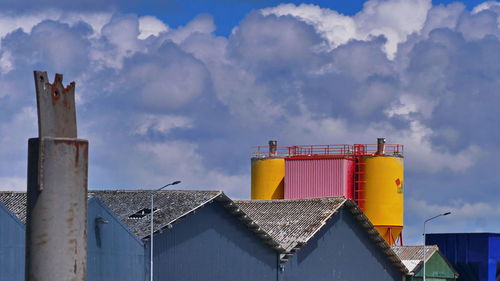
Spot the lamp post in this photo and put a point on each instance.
(427, 220)
(153, 192)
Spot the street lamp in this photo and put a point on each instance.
(429, 219)
(153, 192)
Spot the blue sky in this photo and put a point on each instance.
(183, 90)
(228, 14)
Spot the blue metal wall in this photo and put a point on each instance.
(476, 256)
(11, 246)
(494, 256)
(341, 250)
(114, 253)
(212, 245)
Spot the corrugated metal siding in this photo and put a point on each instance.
(309, 178)
(114, 254)
(11, 246)
(470, 254)
(494, 256)
(214, 245)
(342, 250)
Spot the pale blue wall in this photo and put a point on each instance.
(214, 245)
(11, 246)
(114, 253)
(341, 250)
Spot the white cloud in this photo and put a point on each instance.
(201, 24)
(466, 216)
(488, 5)
(13, 183)
(6, 62)
(394, 19)
(169, 161)
(161, 123)
(335, 27)
(26, 21)
(149, 25)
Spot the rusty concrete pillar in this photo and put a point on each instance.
(56, 236)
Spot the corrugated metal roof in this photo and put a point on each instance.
(293, 222)
(412, 256)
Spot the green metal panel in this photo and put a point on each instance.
(437, 269)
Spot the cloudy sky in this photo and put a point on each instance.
(182, 91)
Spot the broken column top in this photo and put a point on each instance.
(56, 107)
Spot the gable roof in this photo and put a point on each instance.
(9, 213)
(15, 201)
(172, 205)
(291, 222)
(294, 222)
(412, 257)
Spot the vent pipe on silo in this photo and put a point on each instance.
(380, 146)
(56, 227)
(273, 147)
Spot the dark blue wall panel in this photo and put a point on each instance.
(341, 250)
(212, 245)
(11, 246)
(476, 256)
(114, 254)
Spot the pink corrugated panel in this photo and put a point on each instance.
(309, 178)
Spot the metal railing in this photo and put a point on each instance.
(328, 150)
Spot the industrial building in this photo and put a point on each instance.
(204, 235)
(475, 256)
(199, 235)
(114, 252)
(325, 239)
(12, 232)
(437, 267)
(370, 174)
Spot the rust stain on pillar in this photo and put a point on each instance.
(56, 235)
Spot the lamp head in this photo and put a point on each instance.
(447, 213)
(175, 182)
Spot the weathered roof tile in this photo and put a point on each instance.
(291, 222)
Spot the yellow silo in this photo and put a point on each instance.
(268, 178)
(383, 194)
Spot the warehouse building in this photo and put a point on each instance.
(437, 267)
(114, 253)
(476, 256)
(327, 238)
(204, 235)
(199, 235)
